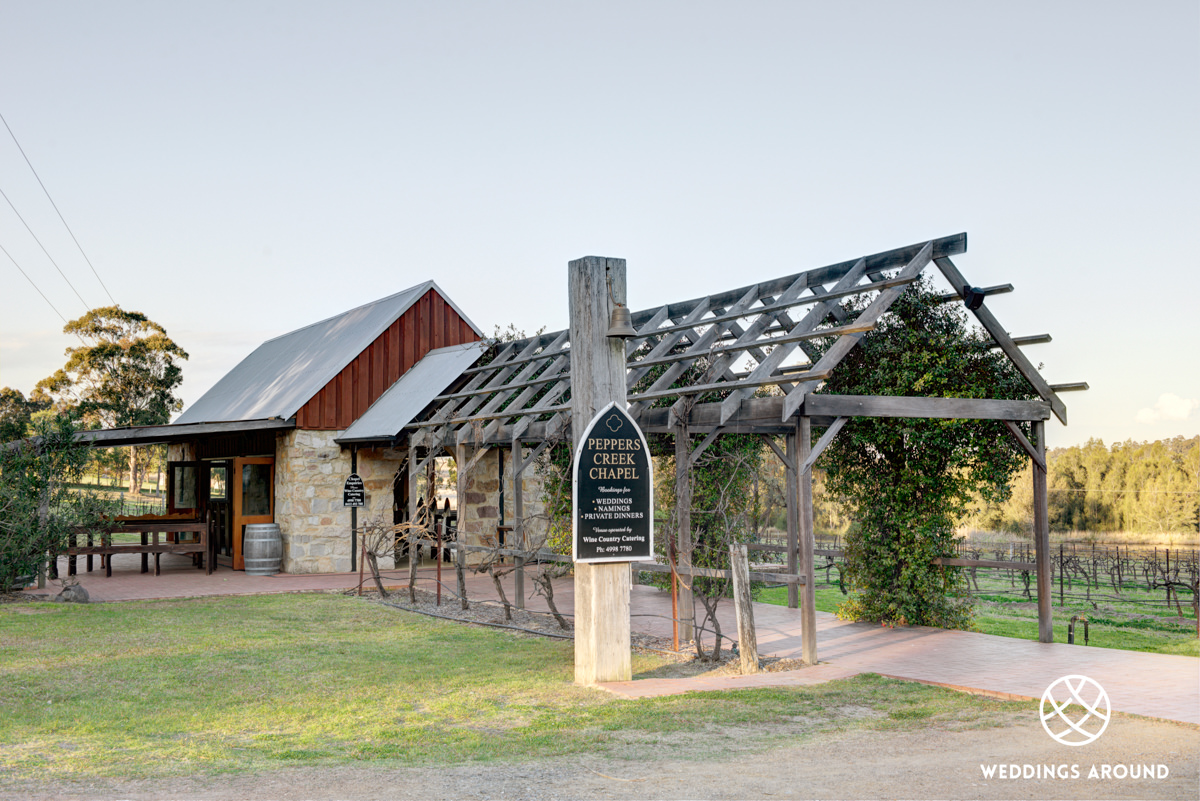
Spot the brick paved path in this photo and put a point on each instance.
(1154, 685)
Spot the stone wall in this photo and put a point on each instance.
(310, 472)
(481, 502)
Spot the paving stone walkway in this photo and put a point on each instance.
(1155, 685)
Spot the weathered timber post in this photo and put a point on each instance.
(808, 604)
(518, 522)
(460, 490)
(743, 605)
(411, 467)
(460, 461)
(602, 643)
(1041, 536)
(793, 518)
(683, 537)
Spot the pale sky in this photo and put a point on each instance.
(237, 170)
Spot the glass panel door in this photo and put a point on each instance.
(183, 488)
(253, 484)
(220, 539)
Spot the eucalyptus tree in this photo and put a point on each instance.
(125, 373)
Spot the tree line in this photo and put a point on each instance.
(1146, 487)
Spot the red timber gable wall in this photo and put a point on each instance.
(429, 324)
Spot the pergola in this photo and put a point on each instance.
(521, 397)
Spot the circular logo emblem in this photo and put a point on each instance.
(1075, 710)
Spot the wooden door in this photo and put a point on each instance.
(253, 499)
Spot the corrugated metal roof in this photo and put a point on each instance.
(282, 374)
(405, 399)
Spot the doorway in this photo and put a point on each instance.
(253, 485)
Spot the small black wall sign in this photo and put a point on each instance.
(614, 491)
(354, 494)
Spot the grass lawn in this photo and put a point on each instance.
(158, 688)
(1131, 624)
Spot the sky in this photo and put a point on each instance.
(238, 170)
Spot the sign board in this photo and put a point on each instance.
(613, 499)
(354, 494)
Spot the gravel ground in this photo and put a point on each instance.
(927, 763)
(491, 613)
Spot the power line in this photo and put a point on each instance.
(32, 284)
(43, 247)
(56, 211)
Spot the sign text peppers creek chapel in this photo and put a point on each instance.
(613, 498)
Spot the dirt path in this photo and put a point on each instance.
(929, 763)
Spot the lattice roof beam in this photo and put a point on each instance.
(491, 398)
(808, 323)
(876, 264)
(698, 349)
(846, 342)
(504, 371)
(444, 411)
(670, 340)
(492, 385)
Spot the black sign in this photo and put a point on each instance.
(354, 494)
(614, 491)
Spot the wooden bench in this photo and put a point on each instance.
(150, 531)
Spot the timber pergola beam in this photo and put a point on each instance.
(938, 408)
(749, 360)
(762, 415)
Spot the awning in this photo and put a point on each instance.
(179, 432)
(415, 390)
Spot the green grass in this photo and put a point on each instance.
(146, 689)
(1131, 623)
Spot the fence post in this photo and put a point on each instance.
(743, 606)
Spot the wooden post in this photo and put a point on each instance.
(602, 642)
(793, 519)
(460, 491)
(808, 605)
(743, 606)
(1041, 536)
(518, 522)
(412, 493)
(460, 571)
(683, 508)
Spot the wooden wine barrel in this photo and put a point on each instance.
(262, 548)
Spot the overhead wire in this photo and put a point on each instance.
(43, 247)
(32, 284)
(56, 210)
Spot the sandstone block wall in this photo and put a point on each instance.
(310, 473)
(480, 505)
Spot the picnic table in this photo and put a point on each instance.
(157, 534)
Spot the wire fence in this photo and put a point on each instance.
(1081, 573)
